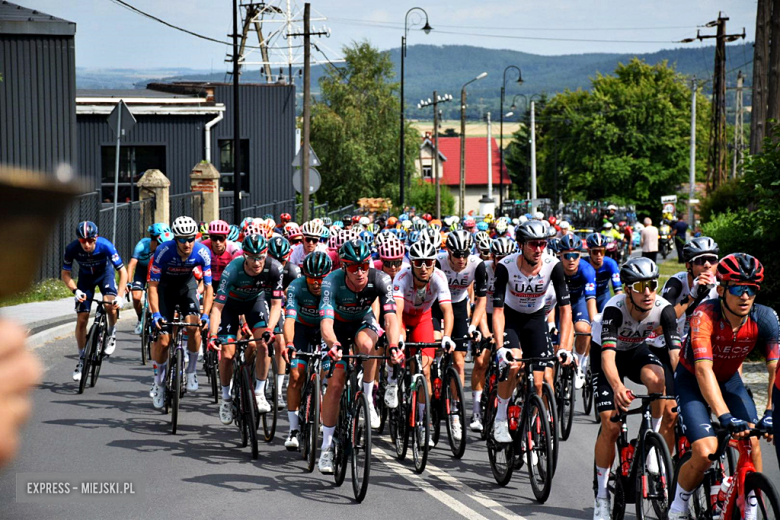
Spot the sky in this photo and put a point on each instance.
(110, 35)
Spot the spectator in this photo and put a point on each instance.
(648, 240)
(679, 229)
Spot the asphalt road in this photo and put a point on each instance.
(112, 432)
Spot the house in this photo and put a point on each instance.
(477, 166)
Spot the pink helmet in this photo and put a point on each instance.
(291, 230)
(391, 249)
(219, 227)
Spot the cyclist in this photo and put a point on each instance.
(138, 266)
(707, 377)
(619, 350)
(347, 318)
(241, 293)
(415, 289)
(482, 242)
(171, 283)
(301, 331)
(522, 283)
(606, 269)
(391, 257)
(221, 250)
(581, 282)
(93, 254)
(312, 236)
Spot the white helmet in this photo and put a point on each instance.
(364, 221)
(520, 220)
(422, 250)
(607, 225)
(184, 227)
(539, 215)
(612, 207)
(312, 228)
(564, 224)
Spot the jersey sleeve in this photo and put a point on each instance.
(291, 308)
(558, 280)
(276, 281)
(480, 280)
(614, 272)
(672, 289)
(399, 284)
(68, 256)
(329, 288)
(499, 288)
(701, 335)
(155, 270)
(113, 254)
(611, 320)
(225, 282)
(384, 286)
(205, 260)
(669, 327)
(589, 279)
(768, 333)
(140, 247)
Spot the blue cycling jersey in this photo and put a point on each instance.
(609, 270)
(92, 263)
(168, 266)
(583, 283)
(142, 251)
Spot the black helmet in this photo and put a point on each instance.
(531, 230)
(570, 242)
(317, 265)
(700, 246)
(638, 270)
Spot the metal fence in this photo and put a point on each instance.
(132, 221)
(226, 207)
(273, 208)
(187, 204)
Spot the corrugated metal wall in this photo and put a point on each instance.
(268, 121)
(37, 101)
(182, 136)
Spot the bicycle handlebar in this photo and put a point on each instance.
(646, 399)
(361, 357)
(724, 435)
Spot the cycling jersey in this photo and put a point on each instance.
(290, 273)
(676, 290)
(219, 262)
(712, 338)
(609, 271)
(527, 294)
(298, 254)
(94, 263)
(618, 330)
(582, 284)
(238, 285)
(490, 272)
(339, 302)
(302, 306)
(142, 252)
(169, 268)
(459, 282)
(420, 301)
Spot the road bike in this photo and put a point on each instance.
(447, 403)
(174, 377)
(565, 397)
(311, 401)
(242, 392)
(489, 400)
(95, 346)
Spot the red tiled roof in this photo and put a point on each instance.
(476, 161)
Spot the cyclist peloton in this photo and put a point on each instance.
(707, 377)
(606, 269)
(138, 266)
(94, 255)
(619, 350)
(521, 287)
(347, 318)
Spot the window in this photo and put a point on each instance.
(226, 164)
(133, 163)
(427, 171)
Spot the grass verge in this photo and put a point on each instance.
(45, 290)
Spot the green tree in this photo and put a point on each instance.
(354, 128)
(422, 196)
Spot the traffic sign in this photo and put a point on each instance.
(669, 199)
(313, 159)
(121, 119)
(314, 180)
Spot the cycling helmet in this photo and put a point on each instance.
(234, 233)
(469, 222)
(612, 207)
(402, 235)
(203, 229)
(382, 237)
(404, 217)
(699, 246)
(435, 224)
(531, 230)
(596, 240)
(518, 221)
(391, 249)
(419, 224)
(538, 216)
(460, 240)
(564, 224)
(279, 247)
(339, 224)
(284, 218)
(406, 225)
(501, 226)
(431, 235)
(254, 244)
(252, 229)
(638, 270)
(325, 234)
(483, 241)
(483, 226)
(391, 222)
(570, 243)
(327, 221)
(291, 230)
(503, 246)
(373, 228)
(347, 218)
(356, 219)
(552, 220)
(367, 237)
(246, 222)
(156, 230)
(740, 268)
(184, 227)
(219, 227)
(165, 236)
(427, 217)
(414, 236)
(86, 229)
(363, 221)
(312, 228)
(551, 233)
(317, 265)
(488, 219)
(553, 245)
(607, 225)
(354, 251)
(422, 250)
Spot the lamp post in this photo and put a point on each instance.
(435, 103)
(463, 142)
(427, 29)
(501, 138)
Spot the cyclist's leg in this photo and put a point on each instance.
(107, 285)
(460, 332)
(189, 303)
(365, 340)
(227, 333)
(302, 343)
(257, 320)
(669, 415)
(167, 298)
(776, 412)
(645, 368)
(85, 284)
(331, 400)
(742, 407)
(505, 388)
(420, 330)
(605, 406)
(137, 289)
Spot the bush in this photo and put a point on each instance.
(422, 196)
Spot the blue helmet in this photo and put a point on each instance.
(402, 235)
(570, 242)
(233, 235)
(338, 224)
(403, 217)
(158, 229)
(279, 247)
(414, 236)
(86, 229)
(482, 226)
(325, 236)
(596, 240)
(367, 237)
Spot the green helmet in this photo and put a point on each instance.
(279, 247)
(254, 244)
(317, 265)
(354, 251)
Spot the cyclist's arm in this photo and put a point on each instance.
(327, 312)
(288, 330)
(215, 318)
(671, 334)
(592, 309)
(208, 298)
(771, 366)
(122, 288)
(131, 265)
(480, 293)
(399, 304)
(611, 321)
(701, 346)
(276, 312)
(449, 317)
(672, 290)
(502, 277)
(67, 278)
(153, 297)
(617, 286)
(558, 279)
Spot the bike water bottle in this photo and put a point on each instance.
(513, 414)
(724, 489)
(437, 388)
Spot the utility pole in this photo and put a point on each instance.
(462, 190)
(773, 90)
(760, 79)
(533, 158)
(435, 104)
(739, 132)
(692, 169)
(236, 122)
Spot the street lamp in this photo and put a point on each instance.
(426, 29)
(463, 141)
(434, 103)
(501, 145)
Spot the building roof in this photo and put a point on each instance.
(15, 19)
(476, 161)
(132, 93)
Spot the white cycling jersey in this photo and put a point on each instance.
(298, 255)
(459, 282)
(419, 301)
(616, 328)
(527, 294)
(490, 270)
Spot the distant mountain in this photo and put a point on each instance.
(446, 68)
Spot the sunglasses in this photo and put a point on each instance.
(295, 241)
(460, 254)
(394, 264)
(537, 244)
(646, 284)
(739, 290)
(312, 240)
(218, 238)
(571, 255)
(598, 251)
(705, 259)
(189, 240)
(423, 262)
(256, 259)
(354, 268)
(313, 281)
(87, 240)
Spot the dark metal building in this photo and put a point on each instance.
(37, 89)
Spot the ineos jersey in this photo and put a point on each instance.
(527, 294)
(617, 330)
(459, 282)
(420, 301)
(676, 290)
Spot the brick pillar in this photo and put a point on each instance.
(205, 179)
(154, 184)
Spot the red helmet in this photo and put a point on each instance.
(740, 268)
(356, 219)
(284, 218)
(427, 217)
(552, 220)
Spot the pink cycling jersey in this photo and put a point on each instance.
(219, 262)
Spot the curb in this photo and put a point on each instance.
(43, 332)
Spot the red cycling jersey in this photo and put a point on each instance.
(711, 339)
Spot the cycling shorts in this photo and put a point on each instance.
(304, 341)
(629, 365)
(254, 311)
(602, 299)
(695, 414)
(87, 283)
(662, 353)
(346, 331)
(419, 329)
(185, 296)
(438, 316)
(139, 277)
(776, 416)
(579, 311)
(532, 328)
(460, 325)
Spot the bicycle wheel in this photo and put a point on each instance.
(488, 407)
(249, 409)
(552, 414)
(435, 420)
(214, 374)
(144, 337)
(699, 505)
(587, 392)
(421, 431)
(401, 421)
(86, 361)
(501, 457)
(175, 393)
(652, 487)
(568, 398)
(341, 443)
(313, 423)
(360, 444)
(455, 407)
(538, 453)
(239, 417)
(766, 496)
(97, 354)
(379, 399)
(269, 418)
